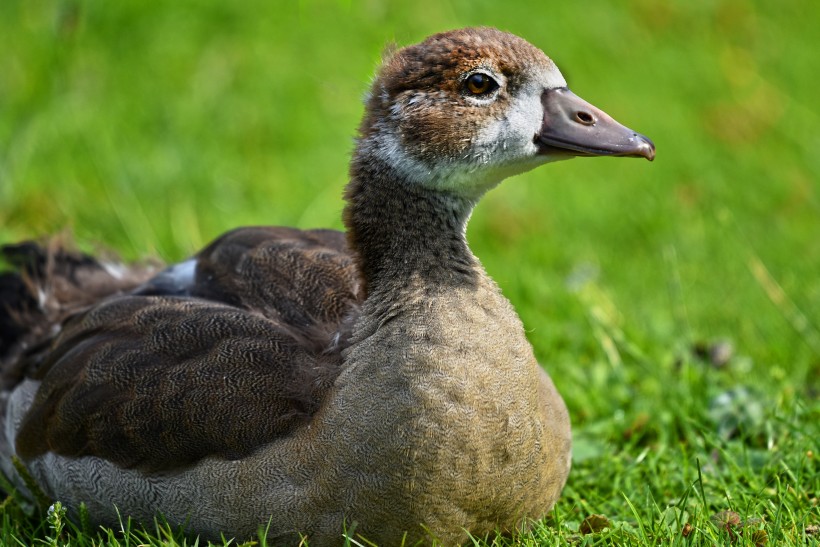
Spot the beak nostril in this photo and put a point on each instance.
(584, 117)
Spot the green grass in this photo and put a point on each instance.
(150, 129)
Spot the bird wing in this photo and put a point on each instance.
(217, 363)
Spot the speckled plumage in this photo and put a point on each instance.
(307, 381)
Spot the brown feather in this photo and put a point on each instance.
(265, 342)
(50, 283)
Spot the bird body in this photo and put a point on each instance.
(308, 381)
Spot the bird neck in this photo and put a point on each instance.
(402, 232)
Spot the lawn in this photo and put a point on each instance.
(675, 304)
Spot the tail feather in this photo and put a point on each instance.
(46, 284)
(15, 299)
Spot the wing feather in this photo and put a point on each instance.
(157, 381)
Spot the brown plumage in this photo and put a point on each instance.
(52, 282)
(253, 336)
(311, 379)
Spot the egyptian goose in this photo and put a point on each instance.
(312, 381)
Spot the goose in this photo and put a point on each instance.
(310, 382)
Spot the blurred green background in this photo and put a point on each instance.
(150, 128)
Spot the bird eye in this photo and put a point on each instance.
(480, 84)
